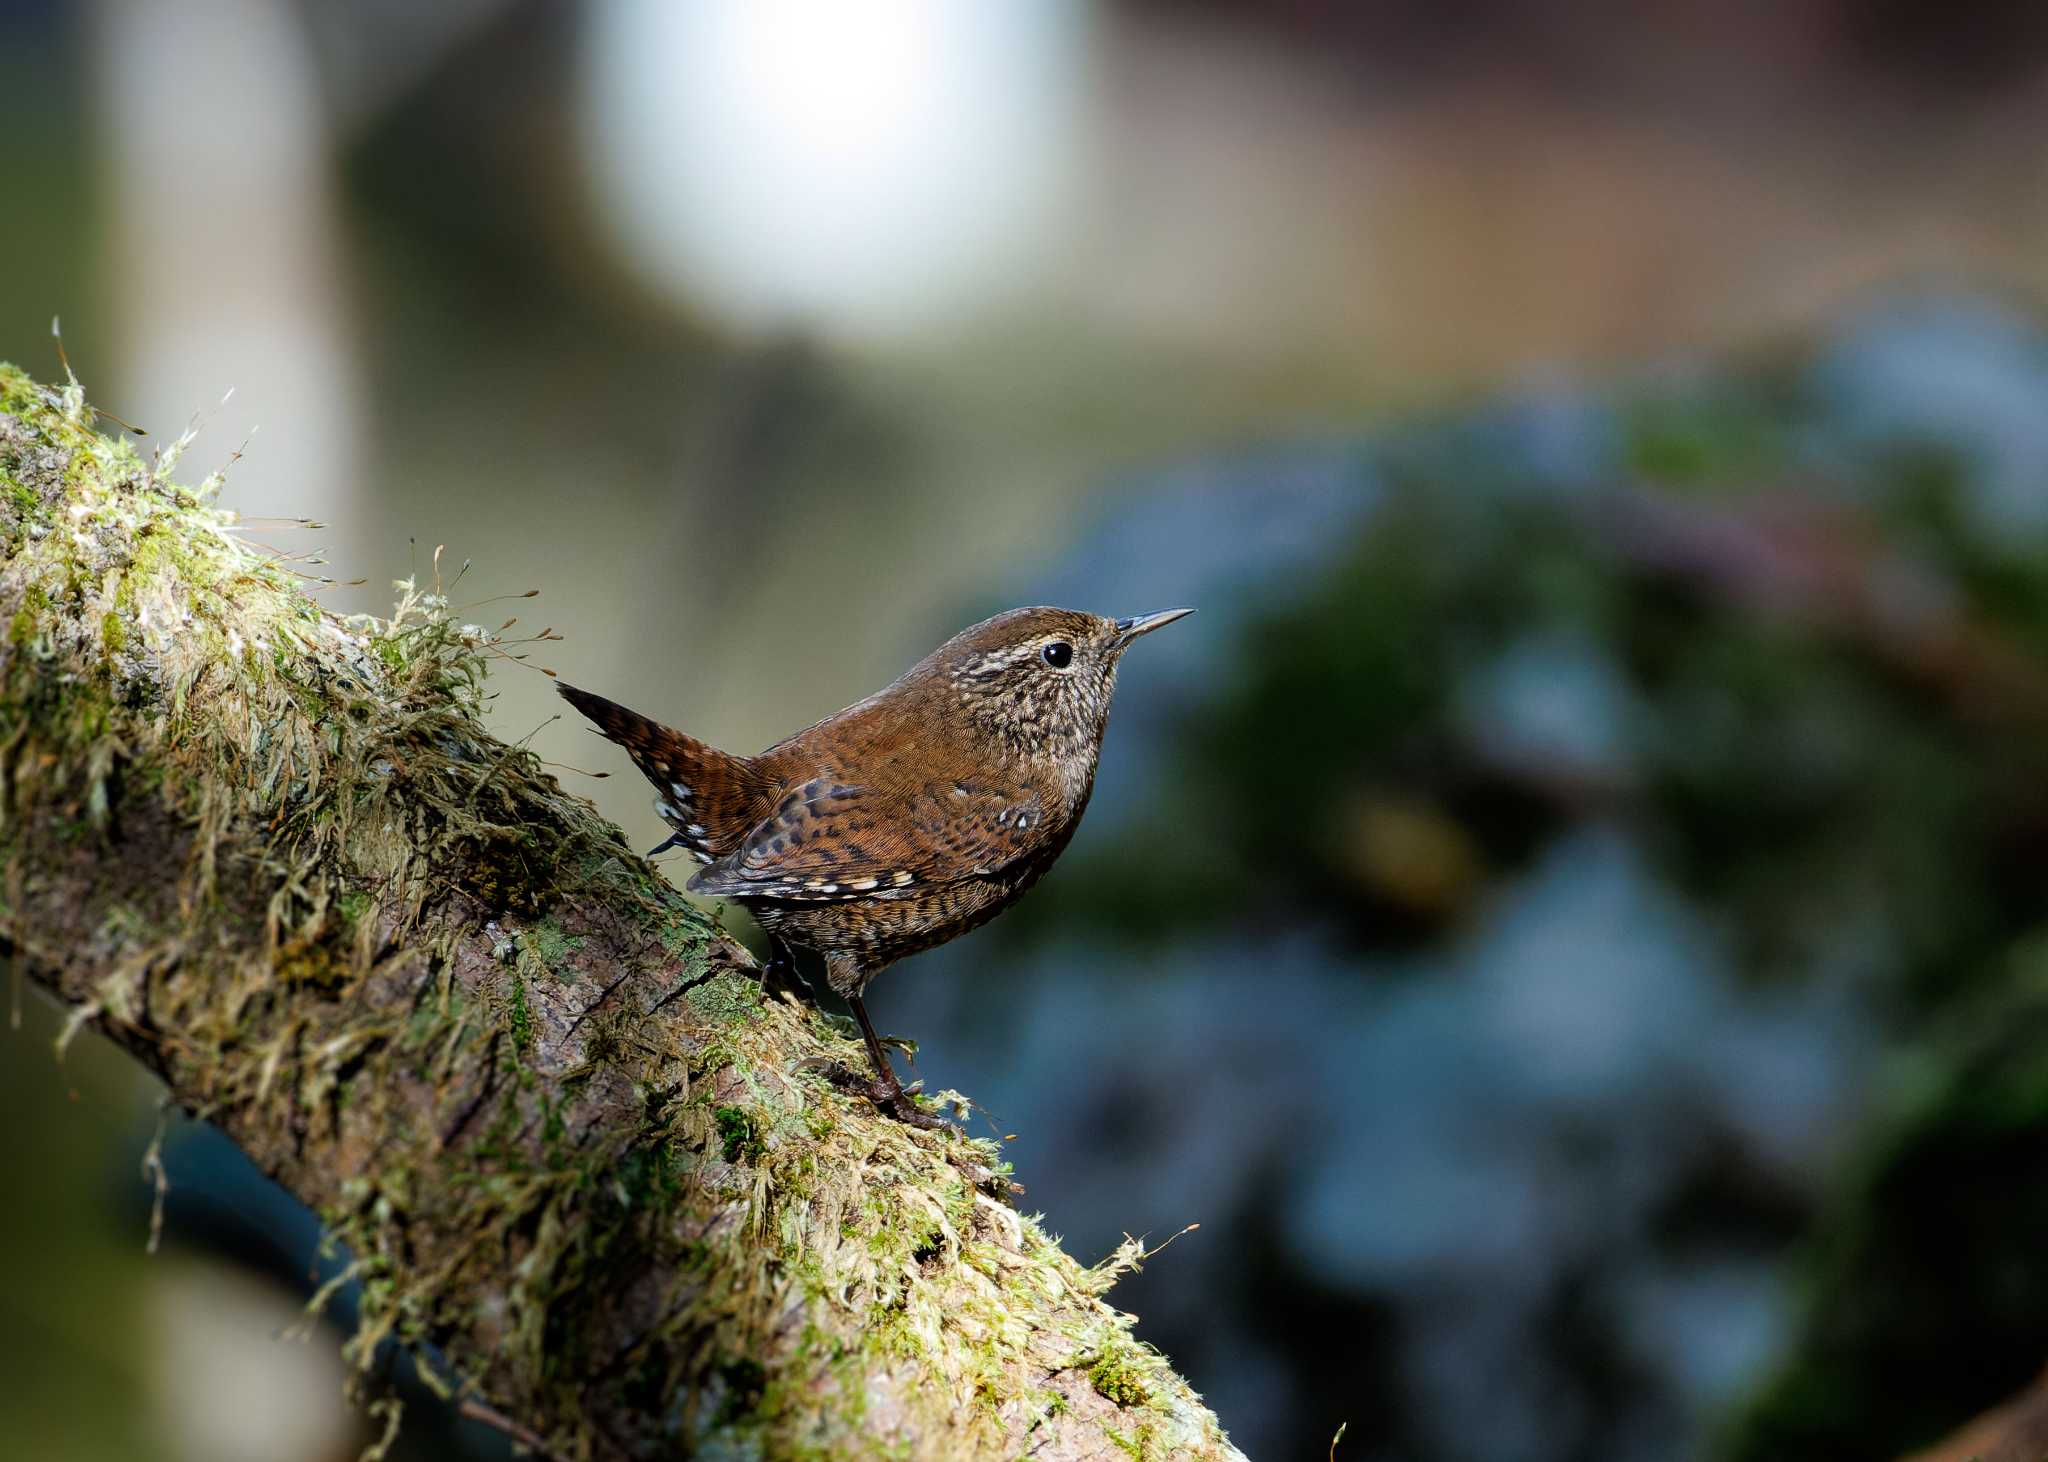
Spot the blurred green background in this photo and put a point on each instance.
(1567, 916)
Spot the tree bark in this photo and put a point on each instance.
(597, 1183)
(2016, 1430)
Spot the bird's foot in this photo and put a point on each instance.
(889, 1094)
(901, 1103)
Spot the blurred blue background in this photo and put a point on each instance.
(1565, 918)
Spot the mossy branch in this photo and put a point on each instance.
(579, 1165)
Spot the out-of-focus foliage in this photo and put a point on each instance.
(1641, 797)
(1926, 1281)
(1814, 689)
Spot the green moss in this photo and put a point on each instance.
(726, 999)
(650, 1177)
(1115, 1377)
(683, 933)
(19, 394)
(519, 1014)
(544, 949)
(736, 1132)
(352, 906)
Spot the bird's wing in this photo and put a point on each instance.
(825, 840)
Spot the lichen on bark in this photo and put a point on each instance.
(577, 1162)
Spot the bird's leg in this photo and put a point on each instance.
(885, 1091)
(781, 976)
(884, 1072)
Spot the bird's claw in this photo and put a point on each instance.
(898, 1102)
(901, 1102)
(892, 1097)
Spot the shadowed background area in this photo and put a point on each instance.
(1565, 918)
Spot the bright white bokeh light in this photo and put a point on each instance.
(865, 167)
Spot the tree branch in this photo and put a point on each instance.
(581, 1167)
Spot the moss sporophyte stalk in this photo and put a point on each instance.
(562, 1143)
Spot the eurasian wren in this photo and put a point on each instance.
(915, 815)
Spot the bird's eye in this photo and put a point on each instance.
(1058, 654)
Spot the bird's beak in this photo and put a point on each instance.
(1143, 624)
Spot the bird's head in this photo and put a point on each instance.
(1041, 678)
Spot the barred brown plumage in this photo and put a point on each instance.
(908, 818)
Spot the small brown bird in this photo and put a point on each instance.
(915, 815)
